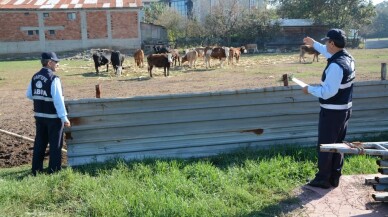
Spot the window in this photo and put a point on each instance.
(32, 32)
(71, 16)
(253, 4)
(183, 7)
(26, 14)
(46, 15)
(52, 32)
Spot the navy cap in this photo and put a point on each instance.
(336, 35)
(50, 56)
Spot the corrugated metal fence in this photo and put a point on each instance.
(204, 124)
(376, 44)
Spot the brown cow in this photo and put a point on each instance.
(191, 57)
(200, 51)
(175, 56)
(221, 53)
(236, 53)
(139, 58)
(159, 60)
(307, 49)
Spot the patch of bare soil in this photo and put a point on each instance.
(15, 116)
(351, 198)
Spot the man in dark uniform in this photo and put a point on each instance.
(45, 90)
(335, 98)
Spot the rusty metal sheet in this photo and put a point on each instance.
(204, 124)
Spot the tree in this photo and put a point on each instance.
(294, 9)
(153, 11)
(347, 14)
(173, 22)
(257, 27)
(378, 27)
(224, 19)
(344, 14)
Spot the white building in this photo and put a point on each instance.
(201, 8)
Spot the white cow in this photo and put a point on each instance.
(221, 53)
(191, 57)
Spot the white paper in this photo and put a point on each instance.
(299, 82)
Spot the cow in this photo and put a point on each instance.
(191, 57)
(117, 60)
(156, 49)
(236, 53)
(159, 60)
(221, 53)
(175, 56)
(100, 58)
(139, 58)
(307, 49)
(200, 51)
(160, 49)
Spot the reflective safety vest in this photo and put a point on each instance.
(343, 99)
(41, 94)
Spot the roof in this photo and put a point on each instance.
(294, 22)
(68, 4)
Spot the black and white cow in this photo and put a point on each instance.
(117, 60)
(100, 58)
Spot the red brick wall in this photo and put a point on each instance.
(124, 25)
(72, 28)
(10, 26)
(97, 25)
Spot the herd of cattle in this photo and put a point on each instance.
(165, 58)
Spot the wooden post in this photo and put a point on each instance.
(98, 92)
(285, 80)
(383, 71)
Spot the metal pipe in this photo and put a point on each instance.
(22, 137)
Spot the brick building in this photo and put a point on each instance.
(61, 25)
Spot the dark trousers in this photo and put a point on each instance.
(331, 129)
(48, 131)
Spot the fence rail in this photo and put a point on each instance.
(205, 124)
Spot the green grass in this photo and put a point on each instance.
(75, 73)
(244, 183)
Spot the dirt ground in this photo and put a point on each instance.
(351, 198)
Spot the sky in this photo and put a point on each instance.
(375, 2)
